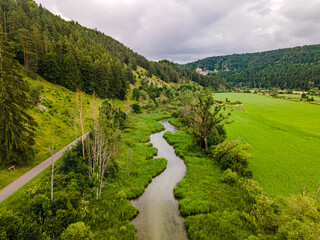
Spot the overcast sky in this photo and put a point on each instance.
(188, 30)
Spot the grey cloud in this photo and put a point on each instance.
(186, 30)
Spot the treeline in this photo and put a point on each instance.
(292, 68)
(66, 53)
(73, 56)
(171, 72)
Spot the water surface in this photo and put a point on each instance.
(159, 216)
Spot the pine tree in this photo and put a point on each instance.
(103, 76)
(16, 126)
(30, 55)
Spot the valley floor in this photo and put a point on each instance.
(285, 140)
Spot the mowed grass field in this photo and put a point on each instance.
(285, 140)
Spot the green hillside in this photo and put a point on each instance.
(68, 54)
(291, 68)
(58, 123)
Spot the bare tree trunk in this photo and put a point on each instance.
(97, 191)
(45, 43)
(0, 59)
(100, 150)
(26, 57)
(205, 137)
(52, 168)
(52, 171)
(206, 143)
(94, 107)
(75, 120)
(80, 108)
(5, 24)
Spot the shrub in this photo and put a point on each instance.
(229, 177)
(233, 155)
(136, 108)
(247, 173)
(136, 94)
(152, 104)
(35, 91)
(143, 94)
(303, 95)
(77, 231)
(73, 161)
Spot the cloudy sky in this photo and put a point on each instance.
(188, 30)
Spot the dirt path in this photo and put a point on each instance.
(22, 180)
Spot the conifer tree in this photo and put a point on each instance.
(16, 126)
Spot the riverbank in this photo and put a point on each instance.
(237, 210)
(74, 202)
(159, 216)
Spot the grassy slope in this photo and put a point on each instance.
(58, 122)
(110, 217)
(285, 139)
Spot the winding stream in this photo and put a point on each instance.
(159, 217)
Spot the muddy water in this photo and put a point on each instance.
(159, 216)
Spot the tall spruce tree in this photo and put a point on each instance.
(16, 126)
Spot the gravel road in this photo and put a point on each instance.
(25, 178)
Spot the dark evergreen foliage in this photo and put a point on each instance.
(66, 53)
(292, 68)
(73, 56)
(16, 126)
(171, 72)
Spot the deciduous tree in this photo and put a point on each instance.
(209, 120)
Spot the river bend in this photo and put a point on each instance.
(159, 217)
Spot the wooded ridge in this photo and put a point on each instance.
(290, 68)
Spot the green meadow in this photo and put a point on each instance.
(285, 140)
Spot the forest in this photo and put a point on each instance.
(292, 68)
(73, 56)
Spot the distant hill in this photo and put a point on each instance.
(65, 53)
(291, 68)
